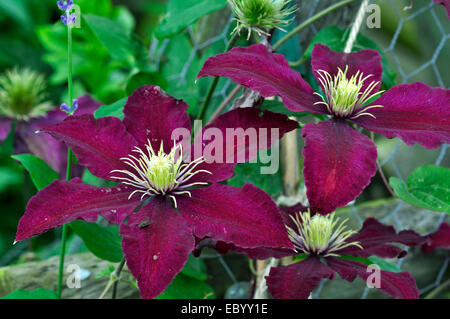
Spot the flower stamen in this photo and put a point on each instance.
(319, 235)
(345, 96)
(159, 173)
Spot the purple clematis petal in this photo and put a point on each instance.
(264, 72)
(446, 4)
(296, 281)
(246, 217)
(439, 239)
(365, 61)
(62, 202)
(338, 164)
(416, 113)
(255, 130)
(98, 143)
(156, 243)
(377, 238)
(397, 285)
(5, 128)
(151, 114)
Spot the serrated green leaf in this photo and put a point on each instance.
(40, 172)
(428, 187)
(102, 241)
(39, 293)
(182, 13)
(184, 287)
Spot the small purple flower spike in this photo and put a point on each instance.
(65, 5)
(65, 108)
(69, 110)
(68, 19)
(74, 105)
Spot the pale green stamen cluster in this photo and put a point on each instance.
(22, 94)
(159, 173)
(319, 235)
(261, 15)
(345, 97)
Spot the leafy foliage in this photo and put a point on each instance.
(428, 187)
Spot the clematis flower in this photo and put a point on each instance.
(339, 161)
(328, 248)
(438, 240)
(157, 180)
(22, 101)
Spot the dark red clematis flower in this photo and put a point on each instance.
(328, 245)
(438, 240)
(44, 146)
(338, 160)
(157, 239)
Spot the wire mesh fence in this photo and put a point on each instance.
(430, 25)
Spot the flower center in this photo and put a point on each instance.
(319, 235)
(345, 97)
(159, 173)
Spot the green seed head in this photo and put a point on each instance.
(22, 94)
(261, 15)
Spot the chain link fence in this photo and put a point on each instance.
(424, 28)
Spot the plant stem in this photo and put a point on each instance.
(380, 170)
(213, 84)
(297, 63)
(225, 103)
(113, 281)
(313, 19)
(438, 290)
(69, 163)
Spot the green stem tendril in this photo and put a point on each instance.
(313, 19)
(69, 163)
(213, 84)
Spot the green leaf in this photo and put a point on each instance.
(336, 38)
(184, 287)
(115, 39)
(278, 107)
(40, 172)
(102, 241)
(383, 264)
(39, 293)
(182, 13)
(143, 78)
(251, 173)
(9, 177)
(105, 272)
(428, 187)
(195, 268)
(17, 10)
(115, 109)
